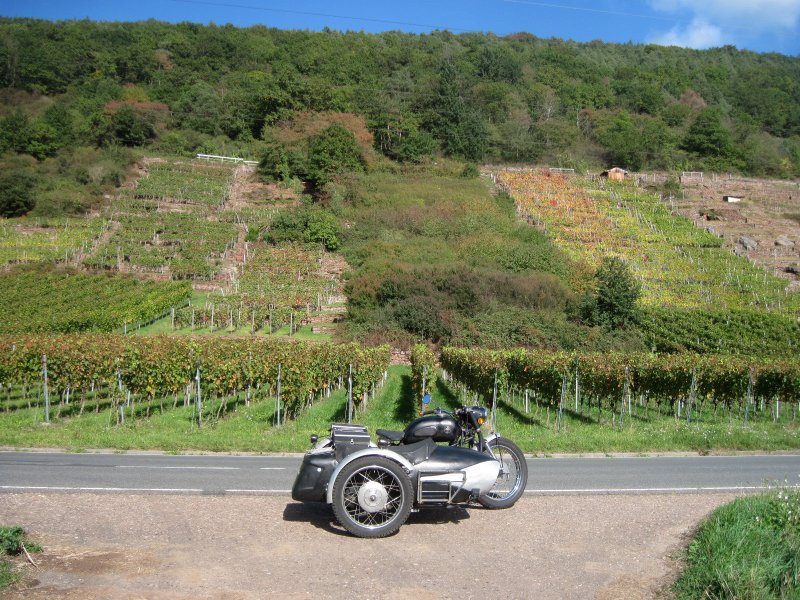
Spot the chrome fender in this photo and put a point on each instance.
(365, 452)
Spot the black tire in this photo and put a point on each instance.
(513, 475)
(372, 497)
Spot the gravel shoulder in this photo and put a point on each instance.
(244, 547)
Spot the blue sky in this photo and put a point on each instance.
(759, 25)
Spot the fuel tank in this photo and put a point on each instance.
(439, 428)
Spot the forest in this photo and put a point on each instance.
(76, 96)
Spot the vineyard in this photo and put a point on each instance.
(627, 386)
(278, 285)
(181, 245)
(186, 182)
(135, 375)
(63, 239)
(678, 264)
(36, 300)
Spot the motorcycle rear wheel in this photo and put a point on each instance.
(513, 477)
(372, 497)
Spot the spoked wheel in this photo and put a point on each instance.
(372, 497)
(513, 476)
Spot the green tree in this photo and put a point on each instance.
(323, 228)
(613, 304)
(16, 194)
(201, 109)
(332, 150)
(274, 163)
(454, 120)
(42, 140)
(130, 128)
(708, 135)
(14, 131)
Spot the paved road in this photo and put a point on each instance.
(258, 475)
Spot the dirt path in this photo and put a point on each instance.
(232, 547)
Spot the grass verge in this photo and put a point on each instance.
(748, 549)
(249, 428)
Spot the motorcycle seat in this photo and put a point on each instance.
(417, 452)
(391, 435)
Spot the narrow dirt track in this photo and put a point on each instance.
(232, 547)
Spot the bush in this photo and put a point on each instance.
(470, 171)
(613, 305)
(274, 164)
(16, 194)
(12, 538)
(334, 150)
(312, 225)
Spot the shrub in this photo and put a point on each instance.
(16, 194)
(334, 150)
(613, 305)
(470, 171)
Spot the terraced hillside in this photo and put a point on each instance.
(678, 264)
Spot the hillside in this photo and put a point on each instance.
(78, 94)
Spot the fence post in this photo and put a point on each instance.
(278, 398)
(350, 394)
(494, 403)
(199, 399)
(748, 397)
(46, 391)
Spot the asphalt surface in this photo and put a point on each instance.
(260, 475)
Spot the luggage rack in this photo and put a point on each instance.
(439, 489)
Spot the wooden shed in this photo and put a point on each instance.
(615, 174)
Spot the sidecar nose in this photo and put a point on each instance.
(482, 476)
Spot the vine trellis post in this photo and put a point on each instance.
(278, 398)
(350, 394)
(692, 396)
(749, 397)
(494, 402)
(559, 420)
(199, 399)
(46, 391)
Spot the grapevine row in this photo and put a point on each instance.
(721, 380)
(166, 366)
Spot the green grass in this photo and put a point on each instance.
(12, 538)
(748, 549)
(163, 326)
(8, 574)
(250, 428)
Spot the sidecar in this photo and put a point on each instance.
(374, 488)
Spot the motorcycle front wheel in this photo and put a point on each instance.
(513, 476)
(372, 497)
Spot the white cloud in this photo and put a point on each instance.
(718, 22)
(698, 34)
(756, 16)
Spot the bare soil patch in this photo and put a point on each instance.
(763, 215)
(245, 547)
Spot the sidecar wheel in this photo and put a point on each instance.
(372, 497)
(513, 477)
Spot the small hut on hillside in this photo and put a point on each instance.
(615, 174)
